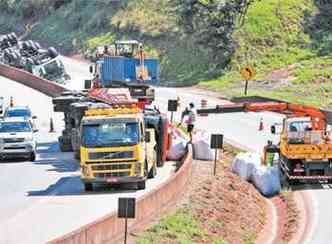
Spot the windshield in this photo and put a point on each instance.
(18, 113)
(8, 127)
(110, 134)
(299, 126)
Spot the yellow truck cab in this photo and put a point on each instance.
(115, 147)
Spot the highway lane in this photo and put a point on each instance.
(43, 200)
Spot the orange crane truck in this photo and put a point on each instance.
(305, 149)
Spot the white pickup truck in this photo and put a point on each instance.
(17, 139)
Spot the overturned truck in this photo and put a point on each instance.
(116, 141)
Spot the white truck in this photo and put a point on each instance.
(17, 139)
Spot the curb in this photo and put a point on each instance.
(268, 235)
(305, 205)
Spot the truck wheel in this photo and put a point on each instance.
(160, 162)
(52, 52)
(65, 147)
(152, 172)
(77, 155)
(33, 157)
(141, 185)
(88, 187)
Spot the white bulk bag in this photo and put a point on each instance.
(244, 164)
(267, 180)
(177, 149)
(201, 146)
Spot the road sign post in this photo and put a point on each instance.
(247, 74)
(217, 141)
(172, 107)
(126, 209)
(246, 88)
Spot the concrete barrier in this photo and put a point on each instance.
(47, 87)
(110, 229)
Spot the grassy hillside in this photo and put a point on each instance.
(289, 42)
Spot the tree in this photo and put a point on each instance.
(211, 23)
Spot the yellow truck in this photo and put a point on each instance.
(116, 147)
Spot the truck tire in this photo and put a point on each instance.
(64, 147)
(37, 45)
(141, 185)
(52, 52)
(88, 186)
(160, 162)
(152, 172)
(33, 157)
(77, 155)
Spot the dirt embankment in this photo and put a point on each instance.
(226, 205)
(226, 208)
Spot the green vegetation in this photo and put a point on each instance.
(290, 51)
(289, 42)
(180, 227)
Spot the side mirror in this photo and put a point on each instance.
(35, 130)
(91, 69)
(147, 136)
(34, 117)
(273, 129)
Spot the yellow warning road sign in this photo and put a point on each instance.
(247, 73)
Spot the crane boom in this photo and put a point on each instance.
(317, 117)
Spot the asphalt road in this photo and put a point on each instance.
(44, 199)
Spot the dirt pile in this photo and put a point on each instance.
(227, 206)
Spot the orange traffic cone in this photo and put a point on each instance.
(261, 125)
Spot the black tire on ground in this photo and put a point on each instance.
(141, 185)
(25, 45)
(52, 52)
(37, 45)
(13, 38)
(33, 157)
(30, 61)
(88, 186)
(33, 46)
(152, 172)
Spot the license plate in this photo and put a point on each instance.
(111, 180)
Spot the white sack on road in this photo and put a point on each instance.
(267, 180)
(244, 164)
(178, 149)
(201, 146)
